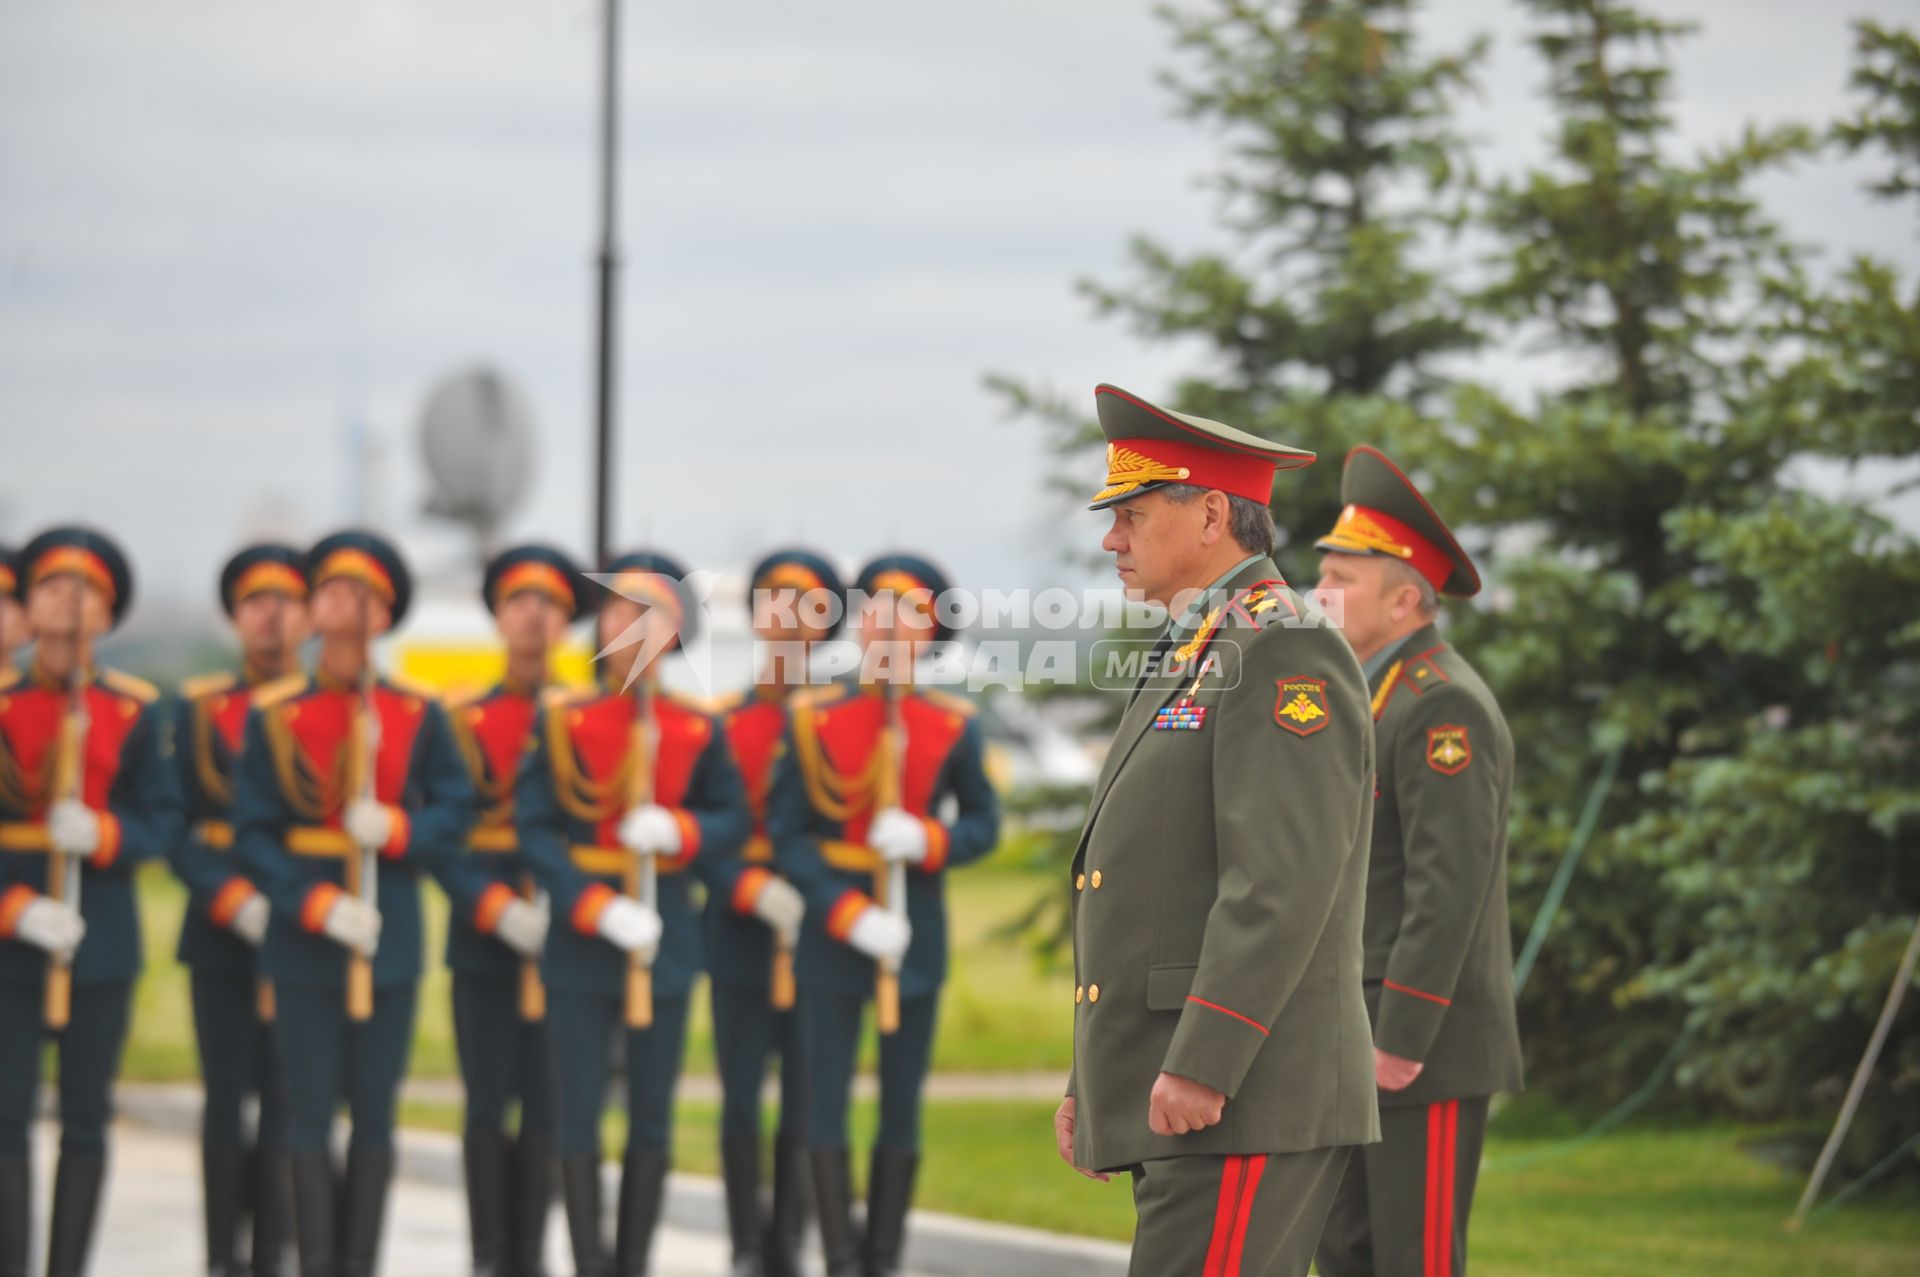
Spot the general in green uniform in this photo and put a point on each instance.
(84, 798)
(882, 789)
(349, 789)
(263, 590)
(497, 927)
(1221, 1048)
(1439, 961)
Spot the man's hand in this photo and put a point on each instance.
(782, 908)
(52, 925)
(1394, 1073)
(250, 920)
(629, 925)
(1063, 1139)
(354, 924)
(522, 926)
(368, 823)
(74, 827)
(881, 935)
(897, 835)
(650, 830)
(1180, 1106)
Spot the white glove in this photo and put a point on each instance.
(880, 934)
(353, 923)
(522, 927)
(630, 925)
(781, 907)
(74, 827)
(896, 835)
(369, 823)
(52, 925)
(250, 919)
(651, 831)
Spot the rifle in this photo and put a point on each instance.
(363, 868)
(890, 879)
(63, 870)
(533, 994)
(641, 875)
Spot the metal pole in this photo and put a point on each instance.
(609, 263)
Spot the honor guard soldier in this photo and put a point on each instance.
(882, 788)
(1221, 1053)
(13, 616)
(1439, 959)
(628, 793)
(263, 590)
(84, 798)
(349, 787)
(796, 600)
(499, 925)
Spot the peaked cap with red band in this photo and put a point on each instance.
(90, 554)
(534, 567)
(367, 557)
(651, 578)
(1385, 514)
(899, 573)
(792, 568)
(1150, 447)
(268, 567)
(9, 579)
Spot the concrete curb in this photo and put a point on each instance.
(938, 1245)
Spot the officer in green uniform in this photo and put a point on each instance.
(84, 798)
(349, 788)
(1221, 1052)
(263, 589)
(628, 793)
(880, 790)
(1439, 961)
(796, 600)
(498, 925)
(13, 617)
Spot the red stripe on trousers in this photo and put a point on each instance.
(1428, 1268)
(1447, 1161)
(1230, 1177)
(1255, 1167)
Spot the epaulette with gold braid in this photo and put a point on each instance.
(949, 701)
(707, 705)
(412, 687)
(200, 685)
(465, 698)
(268, 695)
(729, 702)
(824, 694)
(127, 685)
(561, 694)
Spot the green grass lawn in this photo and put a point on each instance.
(997, 1013)
(1643, 1203)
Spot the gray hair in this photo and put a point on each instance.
(1403, 571)
(1250, 522)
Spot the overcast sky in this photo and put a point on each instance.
(230, 231)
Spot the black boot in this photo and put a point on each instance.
(313, 1214)
(530, 1184)
(889, 1193)
(76, 1201)
(792, 1203)
(364, 1209)
(833, 1190)
(643, 1181)
(16, 1214)
(223, 1189)
(740, 1174)
(487, 1201)
(580, 1189)
(272, 1186)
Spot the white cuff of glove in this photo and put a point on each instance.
(880, 934)
(898, 835)
(628, 924)
(650, 830)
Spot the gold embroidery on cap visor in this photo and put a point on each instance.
(1355, 532)
(1128, 470)
(264, 578)
(72, 558)
(652, 590)
(911, 595)
(359, 565)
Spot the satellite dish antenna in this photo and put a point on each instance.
(476, 435)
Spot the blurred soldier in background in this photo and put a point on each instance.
(796, 600)
(84, 797)
(627, 789)
(881, 789)
(263, 590)
(498, 926)
(13, 616)
(1439, 958)
(349, 786)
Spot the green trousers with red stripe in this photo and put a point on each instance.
(1402, 1208)
(1238, 1216)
